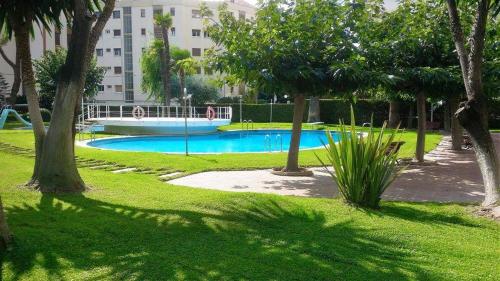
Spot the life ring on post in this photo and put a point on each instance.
(211, 113)
(138, 112)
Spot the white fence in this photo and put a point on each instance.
(96, 111)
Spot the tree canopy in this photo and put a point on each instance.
(48, 68)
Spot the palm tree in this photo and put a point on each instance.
(165, 23)
(185, 67)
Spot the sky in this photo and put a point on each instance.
(390, 4)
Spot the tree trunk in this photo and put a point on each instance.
(420, 149)
(167, 67)
(469, 115)
(446, 117)
(22, 31)
(456, 128)
(394, 117)
(292, 164)
(473, 115)
(16, 84)
(6, 236)
(58, 171)
(314, 110)
(409, 123)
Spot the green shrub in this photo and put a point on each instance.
(364, 165)
(46, 115)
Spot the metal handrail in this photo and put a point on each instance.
(278, 136)
(95, 111)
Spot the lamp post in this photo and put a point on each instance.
(186, 97)
(271, 113)
(241, 109)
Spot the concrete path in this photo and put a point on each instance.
(454, 178)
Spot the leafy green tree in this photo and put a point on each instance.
(292, 47)
(202, 90)
(165, 23)
(48, 68)
(413, 45)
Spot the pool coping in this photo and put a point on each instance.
(85, 143)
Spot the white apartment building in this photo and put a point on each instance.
(129, 31)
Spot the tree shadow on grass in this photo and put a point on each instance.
(413, 214)
(250, 240)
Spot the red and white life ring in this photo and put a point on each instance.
(211, 113)
(138, 112)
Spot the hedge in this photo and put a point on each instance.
(330, 111)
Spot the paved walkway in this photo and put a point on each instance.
(454, 178)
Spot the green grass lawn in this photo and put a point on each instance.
(135, 227)
(197, 163)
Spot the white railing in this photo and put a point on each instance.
(96, 111)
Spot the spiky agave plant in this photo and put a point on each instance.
(364, 163)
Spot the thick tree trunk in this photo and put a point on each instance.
(456, 129)
(6, 236)
(473, 114)
(166, 69)
(394, 117)
(420, 149)
(58, 171)
(22, 31)
(469, 115)
(314, 110)
(292, 164)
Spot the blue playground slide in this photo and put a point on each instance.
(5, 113)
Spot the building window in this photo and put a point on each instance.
(99, 52)
(231, 90)
(109, 86)
(143, 31)
(119, 88)
(143, 13)
(196, 14)
(117, 32)
(206, 34)
(172, 31)
(172, 11)
(196, 52)
(108, 50)
(116, 14)
(118, 70)
(198, 70)
(241, 15)
(108, 31)
(100, 88)
(57, 39)
(117, 52)
(196, 33)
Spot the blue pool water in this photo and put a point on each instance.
(221, 142)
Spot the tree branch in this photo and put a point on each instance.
(476, 42)
(458, 37)
(4, 56)
(109, 6)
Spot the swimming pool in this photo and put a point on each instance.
(221, 142)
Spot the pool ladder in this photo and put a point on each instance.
(247, 122)
(268, 144)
